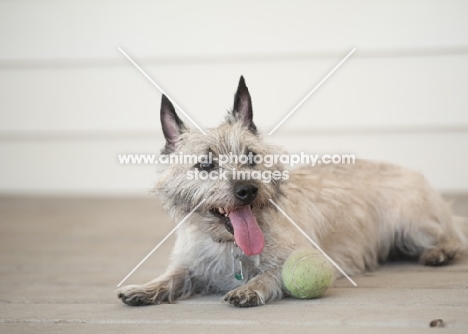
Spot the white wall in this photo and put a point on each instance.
(70, 102)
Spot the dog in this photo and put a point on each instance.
(236, 240)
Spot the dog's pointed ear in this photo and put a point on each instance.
(242, 110)
(172, 125)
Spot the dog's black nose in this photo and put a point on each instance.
(246, 192)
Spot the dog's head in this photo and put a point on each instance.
(235, 190)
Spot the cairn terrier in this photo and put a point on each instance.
(236, 241)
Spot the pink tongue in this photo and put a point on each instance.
(247, 233)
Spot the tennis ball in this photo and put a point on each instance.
(307, 273)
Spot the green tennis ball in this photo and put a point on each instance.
(307, 273)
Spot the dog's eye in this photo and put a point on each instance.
(251, 160)
(206, 166)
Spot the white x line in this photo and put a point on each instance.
(313, 90)
(313, 242)
(284, 213)
(162, 241)
(160, 89)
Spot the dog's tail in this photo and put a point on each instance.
(460, 225)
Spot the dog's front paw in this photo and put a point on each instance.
(244, 296)
(135, 295)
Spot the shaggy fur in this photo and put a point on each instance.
(360, 214)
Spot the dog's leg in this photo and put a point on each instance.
(453, 241)
(258, 291)
(426, 228)
(167, 288)
(440, 255)
(437, 242)
(433, 243)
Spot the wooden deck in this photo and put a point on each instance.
(61, 259)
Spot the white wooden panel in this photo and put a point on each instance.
(392, 93)
(62, 77)
(94, 29)
(83, 167)
(80, 167)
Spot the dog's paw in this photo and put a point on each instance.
(135, 295)
(438, 256)
(244, 296)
